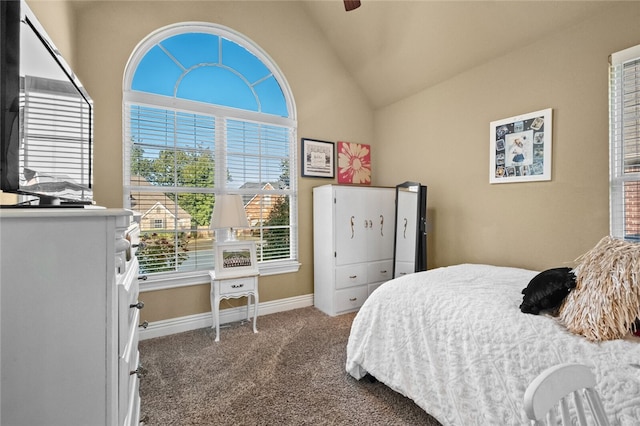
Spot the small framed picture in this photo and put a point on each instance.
(520, 149)
(318, 159)
(236, 259)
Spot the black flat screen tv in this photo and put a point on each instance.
(46, 150)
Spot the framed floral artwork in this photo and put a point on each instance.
(520, 149)
(354, 163)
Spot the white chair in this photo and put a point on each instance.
(552, 389)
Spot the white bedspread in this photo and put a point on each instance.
(454, 340)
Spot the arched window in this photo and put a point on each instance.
(207, 112)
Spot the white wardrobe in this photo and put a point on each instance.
(353, 237)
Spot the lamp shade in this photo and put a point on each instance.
(228, 212)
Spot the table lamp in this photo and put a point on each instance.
(229, 214)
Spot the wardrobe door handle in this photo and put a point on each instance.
(352, 227)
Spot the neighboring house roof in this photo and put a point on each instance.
(252, 202)
(159, 206)
(147, 202)
(247, 198)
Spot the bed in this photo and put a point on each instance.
(454, 340)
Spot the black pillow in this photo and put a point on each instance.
(547, 290)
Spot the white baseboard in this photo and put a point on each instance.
(193, 322)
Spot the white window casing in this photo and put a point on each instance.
(244, 145)
(624, 143)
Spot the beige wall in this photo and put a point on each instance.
(440, 137)
(329, 104)
(58, 19)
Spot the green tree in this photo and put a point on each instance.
(284, 175)
(165, 251)
(197, 172)
(158, 253)
(140, 166)
(182, 168)
(276, 226)
(276, 230)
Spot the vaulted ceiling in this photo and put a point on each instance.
(395, 48)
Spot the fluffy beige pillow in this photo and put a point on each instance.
(606, 300)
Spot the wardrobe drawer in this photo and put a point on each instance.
(373, 287)
(351, 275)
(380, 271)
(404, 268)
(350, 299)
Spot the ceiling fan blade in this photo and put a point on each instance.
(351, 4)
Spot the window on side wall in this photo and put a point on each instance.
(207, 112)
(624, 124)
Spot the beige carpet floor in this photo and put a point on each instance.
(292, 372)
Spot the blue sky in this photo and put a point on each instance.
(207, 68)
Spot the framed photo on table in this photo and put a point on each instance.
(520, 149)
(318, 159)
(236, 259)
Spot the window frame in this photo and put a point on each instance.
(173, 279)
(618, 176)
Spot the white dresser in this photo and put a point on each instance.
(69, 317)
(353, 234)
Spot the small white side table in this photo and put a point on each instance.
(233, 288)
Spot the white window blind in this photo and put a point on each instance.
(170, 158)
(178, 160)
(624, 124)
(258, 155)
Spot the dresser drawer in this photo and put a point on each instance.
(380, 271)
(350, 299)
(132, 409)
(128, 292)
(128, 371)
(351, 275)
(237, 285)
